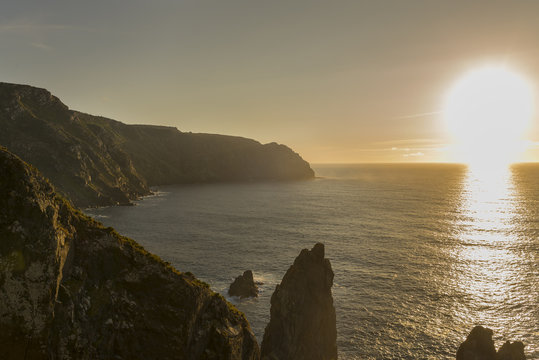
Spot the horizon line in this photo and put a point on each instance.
(410, 162)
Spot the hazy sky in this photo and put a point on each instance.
(338, 81)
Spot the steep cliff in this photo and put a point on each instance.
(98, 161)
(303, 324)
(72, 289)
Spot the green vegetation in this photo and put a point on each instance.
(230, 306)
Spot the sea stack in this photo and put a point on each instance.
(302, 323)
(511, 351)
(244, 286)
(73, 289)
(480, 346)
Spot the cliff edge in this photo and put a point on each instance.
(72, 289)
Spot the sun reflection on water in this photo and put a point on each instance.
(488, 202)
(487, 257)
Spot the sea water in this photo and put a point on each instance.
(421, 253)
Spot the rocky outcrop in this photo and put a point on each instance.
(303, 324)
(72, 289)
(244, 286)
(98, 161)
(511, 351)
(480, 346)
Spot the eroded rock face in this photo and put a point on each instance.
(72, 289)
(480, 346)
(82, 158)
(244, 286)
(303, 324)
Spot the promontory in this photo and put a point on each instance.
(97, 161)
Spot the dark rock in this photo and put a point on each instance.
(73, 289)
(244, 286)
(303, 324)
(97, 161)
(478, 345)
(511, 351)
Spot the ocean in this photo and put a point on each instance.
(421, 252)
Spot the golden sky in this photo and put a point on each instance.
(338, 81)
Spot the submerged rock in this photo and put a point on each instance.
(73, 289)
(480, 346)
(244, 286)
(303, 324)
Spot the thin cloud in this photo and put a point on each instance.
(414, 147)
(414, 154)
(440, 147)
(41, 46)
(25, 27)
(402, 142)
(418, 115)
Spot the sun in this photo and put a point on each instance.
(487, 112)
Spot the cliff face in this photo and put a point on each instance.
(85, 162)
(72, 289)
(99, 161)
(303, 323)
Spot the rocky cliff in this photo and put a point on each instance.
(72, 289)
(98, 161)
(303, 324)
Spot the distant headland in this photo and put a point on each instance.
(96, 161)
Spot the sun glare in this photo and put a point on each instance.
(487, 112)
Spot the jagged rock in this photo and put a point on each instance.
(480, 346)
(244, 286)
(97, 161)
(303, 323)
(72, 289)
(511, 351)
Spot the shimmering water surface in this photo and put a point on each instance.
(421, 253)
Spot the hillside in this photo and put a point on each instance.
(98, 161)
